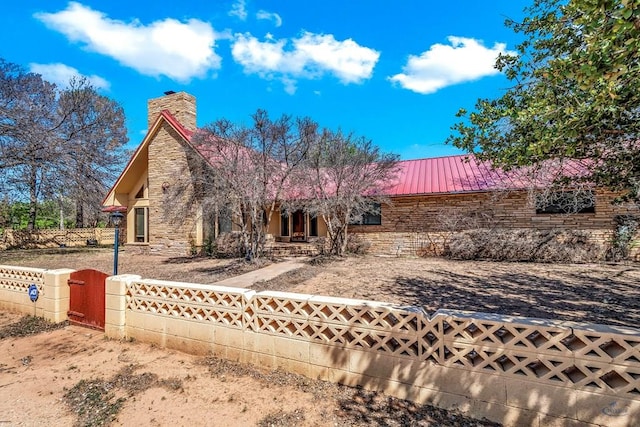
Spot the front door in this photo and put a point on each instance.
(298, 227)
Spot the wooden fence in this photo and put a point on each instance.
(52, 238)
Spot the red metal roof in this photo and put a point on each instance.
(439, 175)
(464, 173)
(184, 132)
(451, 174)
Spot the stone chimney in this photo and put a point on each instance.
(180, 104)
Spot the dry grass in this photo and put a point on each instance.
(598, 293)
(183, 269)
(97, 402)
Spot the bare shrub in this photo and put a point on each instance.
(356, 244)
(449, 222)
(229, 245)
(622, 241)
(524, 245)
(322, 245)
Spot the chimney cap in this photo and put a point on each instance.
(169, 92)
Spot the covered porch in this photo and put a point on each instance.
(297, 227)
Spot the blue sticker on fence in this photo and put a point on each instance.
(33, 292)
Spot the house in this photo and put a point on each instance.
(431, 195)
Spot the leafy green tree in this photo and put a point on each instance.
(575, 94)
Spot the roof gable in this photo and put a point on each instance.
(140, 154)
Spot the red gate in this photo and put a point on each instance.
(86, 298)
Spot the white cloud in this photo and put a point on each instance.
(269, 16)
(308, 56)
(178, 50)
(465, 59)
(61, 74)
(239, 10)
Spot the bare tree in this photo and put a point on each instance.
(56, 143)
(343, 179)
(28, 147)
(246, 173)
(94, 133)
(559, 186)
(251, 169)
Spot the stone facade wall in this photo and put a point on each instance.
(173, 227)
(181, 105)
(513, 370)
(172, 222)
(407, 220)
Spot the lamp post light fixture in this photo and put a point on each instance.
(116, 219)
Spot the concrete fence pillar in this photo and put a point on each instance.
(116, 305)
(55, 296)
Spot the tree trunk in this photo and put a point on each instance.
(342, 235)
(33, 198)
(61, 217)
(79, 214)
(343, 244)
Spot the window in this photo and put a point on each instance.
(566, 202)
(224, 221)
(313, 226)
(140, 193)
(373, 217)
(141, 225)
(284, 224)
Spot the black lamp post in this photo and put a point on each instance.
(116, 219)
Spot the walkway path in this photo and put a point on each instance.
(267, 273)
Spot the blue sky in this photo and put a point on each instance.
(395, 72)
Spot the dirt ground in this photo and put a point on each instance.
(597, 293)
(74, 377)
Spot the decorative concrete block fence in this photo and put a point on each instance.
(514, 370)
(52, 287)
